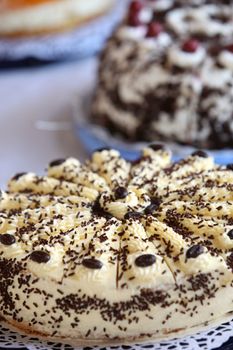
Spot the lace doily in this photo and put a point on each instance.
(207, 340)
(79, 43)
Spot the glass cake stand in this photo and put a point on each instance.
(94, 137)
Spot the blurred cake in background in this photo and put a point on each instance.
(29, 17)
(167, 74)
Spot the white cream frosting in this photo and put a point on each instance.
(184, 59)
(226, 59)
(63, 297)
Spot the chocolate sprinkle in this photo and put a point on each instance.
(92, 264)
(145, 260)
(194, 251)
(7, 239)
(40, 256)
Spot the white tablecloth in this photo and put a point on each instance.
(34, 105)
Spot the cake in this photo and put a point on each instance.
(30, 17)
(167, 74)
(110, 251)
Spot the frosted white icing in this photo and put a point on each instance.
(226, 59)
(188, 20)
(134, 33)
(145, 15)
(161, 4)
(184, 59)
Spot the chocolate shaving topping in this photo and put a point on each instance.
(17, 176)
(7, 239)
(157, 146)
(121, 192)
(92, 263)
(102, 149)
(145, 260)
(40, 256)
(57, 162)
(194, 251)
(200, 153)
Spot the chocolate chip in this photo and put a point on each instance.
(7, 239)
(194, 251)
(17, 176)
(136, 161)
(157, 146)
(229, 166)
(230, 234)
(145, 260)
(200, 153)
(40, 256)
(92, 263)
(151, 208)
(133, 215)
(57, 162)
(121, 192)
(102, 149)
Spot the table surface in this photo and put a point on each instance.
(36, 118)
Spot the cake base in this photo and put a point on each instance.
(80, 342)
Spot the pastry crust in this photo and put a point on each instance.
(51, 17)
(112, 251)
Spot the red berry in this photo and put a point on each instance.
(135, 6)
(230, 48)
(154, 29)
(134, 20)
(190, 46)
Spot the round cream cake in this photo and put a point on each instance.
(112, 251)
(167, 74)
(26, 17)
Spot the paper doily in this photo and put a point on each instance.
(207, 340)
(79, 43)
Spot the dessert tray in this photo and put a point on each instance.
(207, 340)
(79, 43)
